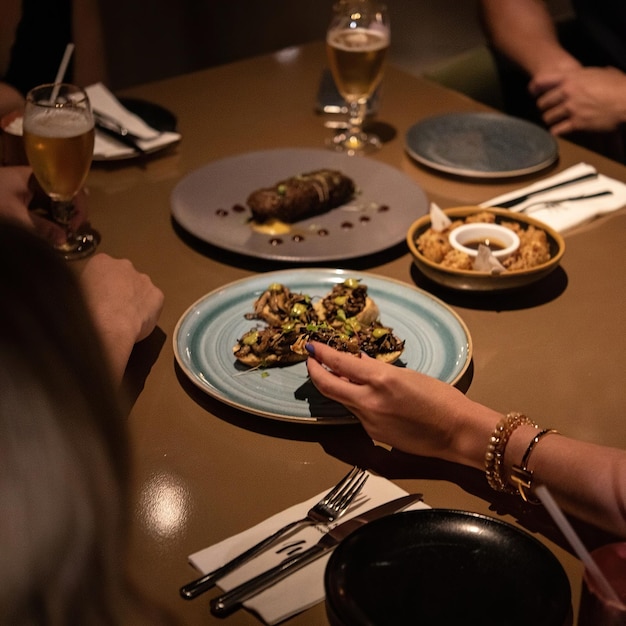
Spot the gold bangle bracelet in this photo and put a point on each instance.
(494, 457)
(520, 474)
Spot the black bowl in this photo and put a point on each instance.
(437, 566)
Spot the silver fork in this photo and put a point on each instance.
(550, 204)
(331, 507)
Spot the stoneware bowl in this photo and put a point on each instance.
(471, 280)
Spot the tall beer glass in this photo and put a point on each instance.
(357, 42)
(58, 137)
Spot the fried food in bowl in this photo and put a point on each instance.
(539, 254)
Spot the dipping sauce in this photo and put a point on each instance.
(500, 240)
(492, 244)
(276, 229)
(271, 227)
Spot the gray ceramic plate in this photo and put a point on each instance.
(210, 203)
(481, 145)
(437, 343)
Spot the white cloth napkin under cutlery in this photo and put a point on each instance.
(305, 587)
(566, 215)
(105, 147)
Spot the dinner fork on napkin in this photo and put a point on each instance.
(304, 588)
(568, 214)
(109, 108)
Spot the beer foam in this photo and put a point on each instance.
(58, 123)
(358, 39)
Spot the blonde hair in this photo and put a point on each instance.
(63, 449)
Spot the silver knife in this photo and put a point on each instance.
(233, 599)
(114, 129)
(507, 204)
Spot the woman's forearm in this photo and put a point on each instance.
(586, 479)
(420, 415)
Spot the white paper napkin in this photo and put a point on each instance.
(305, 587)
(439, 221)
(106, 147)
(569, 214)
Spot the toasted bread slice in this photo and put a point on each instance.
(347, 300)
(347, 319)
(278, 305)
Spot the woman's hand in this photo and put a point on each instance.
(19, 191)
(16, 194)
(403, 408)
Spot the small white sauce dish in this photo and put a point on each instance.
(501, 241)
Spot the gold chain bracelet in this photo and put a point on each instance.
(494, 457)
(520, 474)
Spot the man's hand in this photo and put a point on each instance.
(124, 304)
(589, 99)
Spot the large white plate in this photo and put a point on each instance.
(481, 145)
(437, 343)
(203, 204)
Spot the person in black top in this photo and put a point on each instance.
(33, 38)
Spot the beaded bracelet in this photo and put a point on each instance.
(521, 475)
(494, 456)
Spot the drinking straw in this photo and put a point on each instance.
(583, 554)
(69, 49)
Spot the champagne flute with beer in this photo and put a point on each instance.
(357, 42)
(59, 138)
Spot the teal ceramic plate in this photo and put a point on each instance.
(210, 203)
(481, 145)
(437, 343)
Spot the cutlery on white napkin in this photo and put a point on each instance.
(304, 588)
(566, 215)
(105, 147)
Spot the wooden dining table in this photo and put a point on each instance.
(204, 470)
